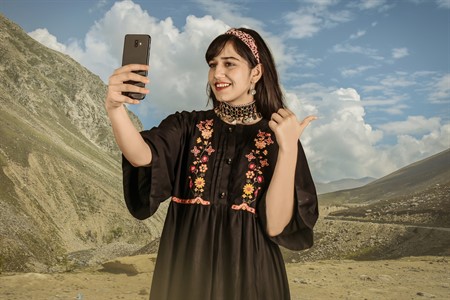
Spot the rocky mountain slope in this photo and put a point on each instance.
(402, 214)
(60, 175)
(414, 178)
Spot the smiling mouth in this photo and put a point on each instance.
(222, 85)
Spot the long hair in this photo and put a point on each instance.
(269, 97)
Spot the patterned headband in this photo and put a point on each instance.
(247, 39)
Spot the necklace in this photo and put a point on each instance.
(244, 114)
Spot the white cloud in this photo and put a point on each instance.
(371, 4)
(44, 37)
(355, 71)
(348, 48)
(399, 79)
(441, 90)
(230, 13)
(399, 53)
(342, 144)
(100, 4)
(358, 34)
(339, 144)
(414, 125)
(178, 71)
(308, 20)
(380, 5)
(410, 149)
(303, 26)
(443, 3)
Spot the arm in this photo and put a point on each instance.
(280, 194)
(127, 136)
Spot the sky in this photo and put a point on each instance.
(375, 72)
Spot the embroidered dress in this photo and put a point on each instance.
(214, 244)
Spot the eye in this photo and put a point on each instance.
(212, 65)
(229, 64)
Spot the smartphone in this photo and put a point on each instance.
(136, 50)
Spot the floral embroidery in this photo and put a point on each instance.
(196, 200)
(202, 151)
(257, 160)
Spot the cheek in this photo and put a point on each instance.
(210, 76)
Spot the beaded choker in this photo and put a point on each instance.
(243, 114)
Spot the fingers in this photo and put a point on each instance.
(282, 114)
(128, 72)
(131, 68)
(121, 82)
(288, 118)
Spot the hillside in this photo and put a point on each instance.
(342, 184)
(400, 215)
(60, 174)
(411, 179)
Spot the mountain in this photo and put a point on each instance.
(414, 178)
(60, 171)
(418, 194)
(342, 184)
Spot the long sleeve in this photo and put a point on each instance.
(298, 234)
(146, 187)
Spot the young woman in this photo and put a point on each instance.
(236, 177)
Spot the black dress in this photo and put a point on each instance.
(214, 243)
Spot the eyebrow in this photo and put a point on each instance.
(229, 57)
(225, 58)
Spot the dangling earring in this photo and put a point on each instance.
(252, 90)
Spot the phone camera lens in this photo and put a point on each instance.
(136, 43)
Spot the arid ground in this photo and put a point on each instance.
(130, 278)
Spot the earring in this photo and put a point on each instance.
(252, 90)
(208, 90)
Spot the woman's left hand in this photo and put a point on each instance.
(287, 128)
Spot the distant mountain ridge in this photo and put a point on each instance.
(342, 184)
(414, 178)
(60, 174)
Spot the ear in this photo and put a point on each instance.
(257, 73)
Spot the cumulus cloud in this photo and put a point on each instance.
(341, 143)
(409, 148)
(178, 71)
(44, 37)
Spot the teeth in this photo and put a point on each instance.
(222, 85)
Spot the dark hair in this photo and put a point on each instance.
(269, 97)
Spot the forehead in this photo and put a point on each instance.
(229, 51)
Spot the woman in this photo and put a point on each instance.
(236, 176)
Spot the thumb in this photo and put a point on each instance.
(307, 120)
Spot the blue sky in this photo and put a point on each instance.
(376, 72)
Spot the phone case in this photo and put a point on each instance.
(136, 50)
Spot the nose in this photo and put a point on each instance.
(219, 72)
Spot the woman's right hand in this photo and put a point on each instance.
(117, 85)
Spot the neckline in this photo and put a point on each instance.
(261, 121)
